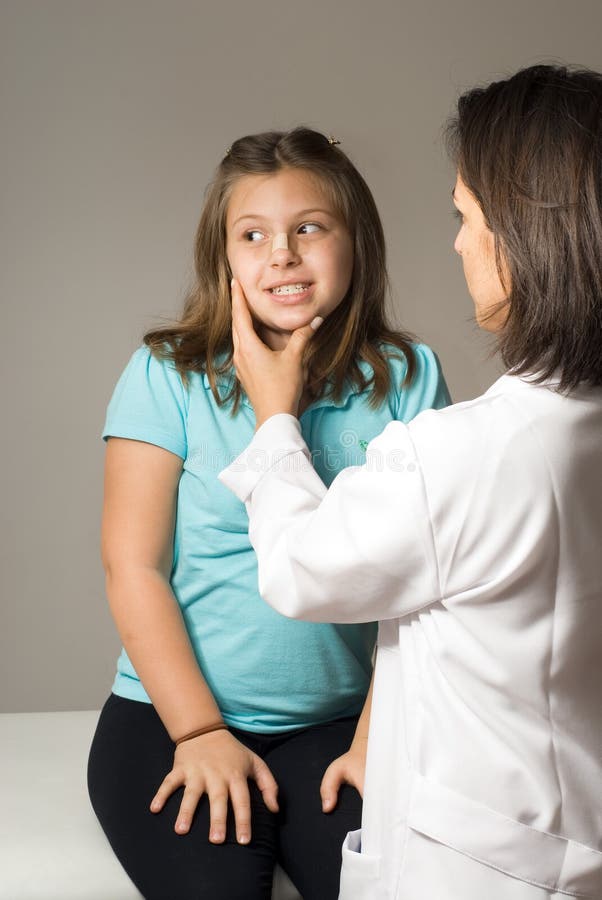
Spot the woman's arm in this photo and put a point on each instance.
(361, 551)
(141, 483)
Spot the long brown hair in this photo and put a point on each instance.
(355, 331)
(530, 151)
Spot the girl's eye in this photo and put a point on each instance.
(253, 235)
(309, 228)
(457, 214)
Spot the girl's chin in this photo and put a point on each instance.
(286, 324)
(276, 335)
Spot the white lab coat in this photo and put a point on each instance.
(474, 534)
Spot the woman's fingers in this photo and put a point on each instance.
(242, 322)
(240, 310)
(301, 337)
(272, 379)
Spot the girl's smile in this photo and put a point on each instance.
(289, 293)
(307, 270)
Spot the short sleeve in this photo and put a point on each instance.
(427, 389)
(149, 404)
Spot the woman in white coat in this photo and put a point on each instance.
(474, 534)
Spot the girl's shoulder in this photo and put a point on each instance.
(154, 373)
(149, 403)
(426, 389)
(425, 358)
(426, 365)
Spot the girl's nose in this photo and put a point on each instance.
(458, 243)
(280, 241)
(284, 252)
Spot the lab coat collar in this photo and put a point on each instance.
(509, 381)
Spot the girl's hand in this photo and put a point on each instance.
(272, 379)
(218, 765)
(349, 768)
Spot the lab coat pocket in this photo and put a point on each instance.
(549, 861)
(359, 873)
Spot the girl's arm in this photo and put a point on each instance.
(137, 537)
(349, 768)
(141, 482)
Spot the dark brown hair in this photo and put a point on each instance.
(529, 149)
(356, 330)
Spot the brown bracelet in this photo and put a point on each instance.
(217, 726)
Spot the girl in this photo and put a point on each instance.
(473, 533)
(211, 752)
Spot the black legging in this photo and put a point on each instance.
(132, 752)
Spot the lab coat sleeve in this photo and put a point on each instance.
(363, 550)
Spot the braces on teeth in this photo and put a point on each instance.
(289, 288)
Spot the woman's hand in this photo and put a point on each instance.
(272, 379)
(350, 768)
(218, 765)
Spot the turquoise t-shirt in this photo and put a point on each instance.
(267, 673)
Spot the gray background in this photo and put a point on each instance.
(113, 116)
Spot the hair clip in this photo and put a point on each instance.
(332, 140)
(227, 153)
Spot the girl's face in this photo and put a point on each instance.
(287, 282)
(475, 244)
